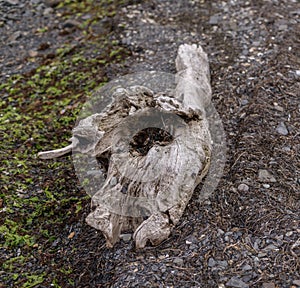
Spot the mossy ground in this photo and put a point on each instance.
(39, 200)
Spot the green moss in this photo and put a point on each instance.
(33, 280)
(14, 235)
(38, 112)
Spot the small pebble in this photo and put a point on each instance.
(33, 53)
(48, 11)
(191, 239)
(211, 262)
(286, 148)
(163, 269)
(267, 186)
(269, 285)
(12, 2)
(281, 129)
(178, 261)
(256, 260)
(289, 233)
(214, 19)
(282, 27)
(296, 282)
(271, 247)
(71, 235)
(277, 107)
(223, 263)
(14, 36)
(70, 23)
(261, 255)
(246, 267)
(244, 102)
(193, 247)
(237, 282)
(247, 278)
(265, 176)
(154, 268)
(220, 232)
(243, 187)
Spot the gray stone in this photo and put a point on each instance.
(56, 242)
(243, 187)
(211, 262)
(214, 19)
(247, 278)
(12, 2)
(286, 148)
(271, 247)
(48, 11)
(15, 36)
(223, 263)
(35, 2)
(193, 247)
(237, 282)
(296, 282)
(282, 27)
(163, 269)
(265, 176)
(178, 261)
(246, 267)
(40, 7)
(71, 23)
(154, 268)
(244, 102)
(220, 232)
(281, 129)
(268, 285)
(257, 242)
(261, 255)
(191, 239)
(278, 108)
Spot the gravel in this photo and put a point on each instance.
(242, 237)
(281, 129)
(266, 176)
(236, 282)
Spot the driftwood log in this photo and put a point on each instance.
(154, 148)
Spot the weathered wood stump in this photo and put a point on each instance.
(155, 149)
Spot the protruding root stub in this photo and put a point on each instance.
(159, 148)
(55, 153)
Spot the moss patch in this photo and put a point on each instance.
(41, 200)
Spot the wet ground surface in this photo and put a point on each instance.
(248, 233)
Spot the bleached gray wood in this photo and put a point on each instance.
(167, 175)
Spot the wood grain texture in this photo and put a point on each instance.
(157, 147)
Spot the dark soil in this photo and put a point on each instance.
(55, 53)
